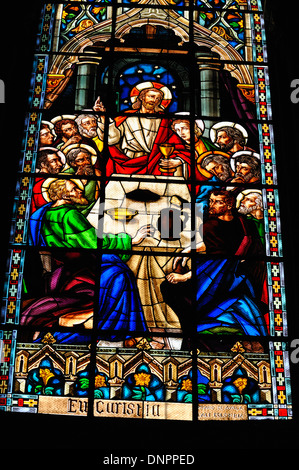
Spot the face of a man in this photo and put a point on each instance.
(218, 169)
(183, 130)
(68, 130)
(224, 141)
(151, 99)
(74, 194)
(218, 205)
(82, 159)
(248, 204)
(54, 164)
(83, 164)
(46, 137)
(244, 171)
(89, 125)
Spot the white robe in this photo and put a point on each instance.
(134, 137)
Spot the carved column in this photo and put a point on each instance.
(87, 71)
(264, 380)
(209, 66)
(116, 372)
(171, 390)
(216, 380)
(116, 385)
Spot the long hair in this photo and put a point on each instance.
(138, 102)
(57, 190)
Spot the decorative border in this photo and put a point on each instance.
(280, 379)
(279, 409)
(45, 34)
(277, 299)
(11, 303)
(272, 222)
(38, 82)
(259, 48)
(267, 153)
(7, 357)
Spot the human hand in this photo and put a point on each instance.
(98, 107)
(143, 232)
(179, 260)
(170, 163)
(75, 139)
(174, 278)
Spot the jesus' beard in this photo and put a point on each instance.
(152, 107)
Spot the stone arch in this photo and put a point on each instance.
(175, 68)
(97, 37)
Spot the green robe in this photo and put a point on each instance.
(65, 226)
(260, 227)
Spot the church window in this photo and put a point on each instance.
(146, 219)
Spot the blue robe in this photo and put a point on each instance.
(226, 299)
(119, 312)
(120, 308)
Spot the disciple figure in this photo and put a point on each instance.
(230, 137)
(60, 224)
(82, 161)
(229, 283)
(46, 134)
(202, 145)
(50, 161)
(87, 126)
(246, 167)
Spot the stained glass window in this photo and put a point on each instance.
(145, 273)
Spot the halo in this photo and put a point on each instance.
(200, 158)
(47, 183)
(244, 193)
(167, 96)
(238, 154)
(63, 116)
(90, 149)
(55, 150)
(218, 125)
(50, 125)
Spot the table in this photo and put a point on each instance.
(151, 267)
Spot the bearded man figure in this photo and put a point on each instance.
(87, 126)
(69, 298)
(82, 161)
(134, 138)
(230, 296)
(59, 223)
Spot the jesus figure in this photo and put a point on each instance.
(135, 137)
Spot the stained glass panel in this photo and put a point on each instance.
(145, 273)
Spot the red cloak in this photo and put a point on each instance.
(147, 164)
